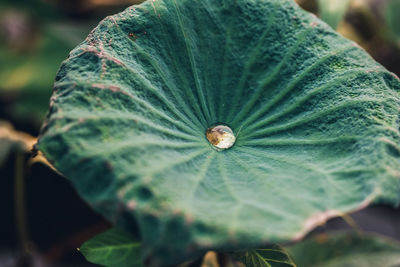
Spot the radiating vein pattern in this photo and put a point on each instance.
(316, 122)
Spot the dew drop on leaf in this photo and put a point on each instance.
(221, 137)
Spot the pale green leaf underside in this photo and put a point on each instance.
(318, 122)
(113, 248)
(347, 249)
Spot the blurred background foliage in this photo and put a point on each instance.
(35, 37)
(373, 24)
(44, 220)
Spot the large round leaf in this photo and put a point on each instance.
(316, 123)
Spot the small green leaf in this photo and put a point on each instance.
(113, 248)
(332, 11)
(273, 256)
(346, 249)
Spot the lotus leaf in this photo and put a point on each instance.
(316, 122)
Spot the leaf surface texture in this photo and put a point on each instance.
(316, 121)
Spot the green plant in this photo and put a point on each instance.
(316, 122)
(113, 248)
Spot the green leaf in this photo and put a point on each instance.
(113, 248)
(333, 11)
(346, 249)
(316, 121)
(273, 256)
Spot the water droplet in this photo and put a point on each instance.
(221, 137)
